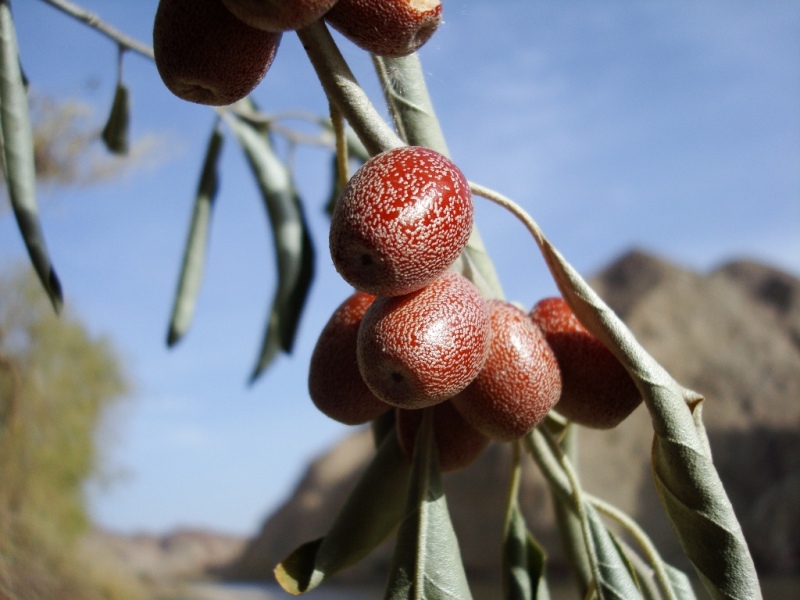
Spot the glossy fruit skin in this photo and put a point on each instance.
(401, 221)
(389, 28)
(422, 348)
(206, 55)
(520, 381)
(596, 389)
(278, 15)
(334, 381)
(458, 444)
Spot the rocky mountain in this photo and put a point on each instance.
(156, 560)
(732, 334)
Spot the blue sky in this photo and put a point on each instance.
(672, 126)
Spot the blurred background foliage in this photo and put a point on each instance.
(58, 386)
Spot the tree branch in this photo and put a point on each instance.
(93, 21)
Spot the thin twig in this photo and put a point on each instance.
(94, 22)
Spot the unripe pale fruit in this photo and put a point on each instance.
(458, 444)
(520, 380)
(401, 220)
(334, 381)
(206, 55)
(596, 389)
(386, 27)
(278, 15)
(422, 348)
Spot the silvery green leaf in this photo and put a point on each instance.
(115, 132)
(681, 586)
(17, 153)
(569, 525)
(426, 564)
(642, 571)
(293, 247)
(523, 560)
(687, 482)
(614, 576)
(370, 514)
(194, 254)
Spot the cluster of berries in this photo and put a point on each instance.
(415, 335)
(217, 51)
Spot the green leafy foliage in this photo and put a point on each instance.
(57, 383)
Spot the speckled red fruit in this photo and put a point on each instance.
(386, 27)
(596, 390)
(401, 220)
(458, 444)
(423, 348)
(520, 381)
(278, 15)
(206, 55)
(334, 381)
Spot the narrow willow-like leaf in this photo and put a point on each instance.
(611, 577)
(525, 561)
(523, 558)
(293, 247)
(372, 512)
(687, 482)
(642, 571)
(195, 251)
(569, 525)
(681, 586)
(659, 571)
(426, 564)
(614, 576)
(16, 143)
(115, 133)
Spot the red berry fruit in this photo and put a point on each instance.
(596, 389)
(206, 55)
(401, 220)
(423, 348)
(334, 381)
(520, 381)
(278, 15)
(458, 444)
(386, 27)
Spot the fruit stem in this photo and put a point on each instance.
(343, 90)
(342, 158)
(514, 481)
(569, 526)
